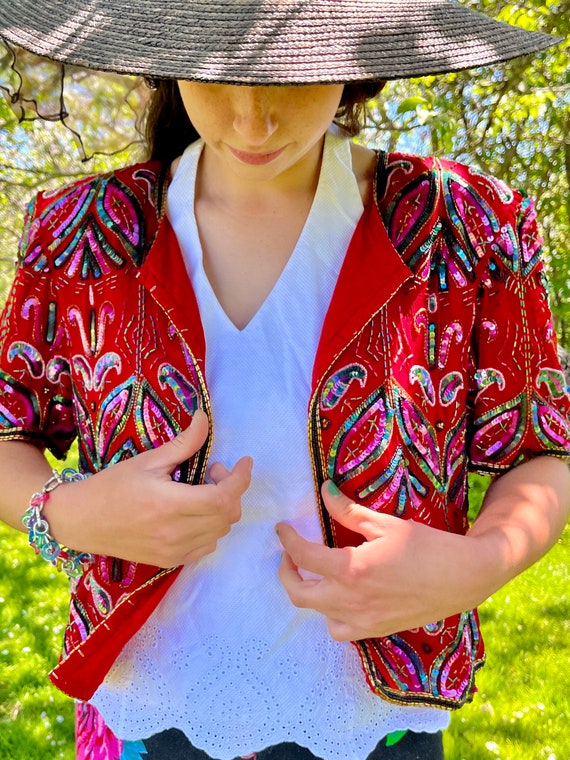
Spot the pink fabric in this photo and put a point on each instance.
(94, 739)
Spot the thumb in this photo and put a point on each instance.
(353, 516)
(168, 456)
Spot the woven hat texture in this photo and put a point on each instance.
(268, 41)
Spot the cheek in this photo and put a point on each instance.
(317, 117)
(322, 105)
(204, 110)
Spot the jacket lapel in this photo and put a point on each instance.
(164, 275)
(372, 273)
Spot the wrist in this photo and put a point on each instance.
(60, 511)
(36, 519)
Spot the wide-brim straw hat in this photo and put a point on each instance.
(265, 41)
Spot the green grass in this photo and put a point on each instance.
(522, 709)
(521, 712)
(36, 721)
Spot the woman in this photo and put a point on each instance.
(276, 268)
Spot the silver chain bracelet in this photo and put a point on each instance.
(70, 562)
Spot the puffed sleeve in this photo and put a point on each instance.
(35, 387)
(518, 391)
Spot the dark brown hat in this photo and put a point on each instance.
(265, 41)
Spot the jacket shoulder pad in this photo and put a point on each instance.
(95, 225)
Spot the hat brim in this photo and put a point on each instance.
(266, 42)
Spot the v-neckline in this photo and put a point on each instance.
(294, 263)
(165, 276)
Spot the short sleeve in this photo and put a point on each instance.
(35, 385)
(520, 407)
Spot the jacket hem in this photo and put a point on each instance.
(79, 684)
(418, 698)
(490, 469)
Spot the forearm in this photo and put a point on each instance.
(23, 471)
(522, 516)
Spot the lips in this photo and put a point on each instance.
(256, 159)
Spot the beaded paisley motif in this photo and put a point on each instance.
(337, 385)
(183, 389)
(362, 438)
(81, 220)
(24, 405)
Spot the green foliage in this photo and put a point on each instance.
(38, 154)
(36, 721)
(522, 707)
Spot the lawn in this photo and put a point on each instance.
(521, 712)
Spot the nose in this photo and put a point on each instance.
(255, 117)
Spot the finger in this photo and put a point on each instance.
(231, 487)
(218, 472)
(288, 572)
(220, 502)
(221, 496)
(318, 594)
(237, 480)
(168, 456)
(316, 558)
(353, 516)
(201, 551)
(341, 631)
(294, 584)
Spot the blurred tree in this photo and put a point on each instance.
(89, 123)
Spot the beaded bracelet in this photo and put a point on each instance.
(72, 563)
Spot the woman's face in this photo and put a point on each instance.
(261, 132)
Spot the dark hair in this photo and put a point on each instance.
(351, 114)
(168, 130)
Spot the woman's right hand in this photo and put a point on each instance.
(135, 511)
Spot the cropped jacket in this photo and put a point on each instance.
(437, 356)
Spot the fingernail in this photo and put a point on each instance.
(277, 530)
(332, 489)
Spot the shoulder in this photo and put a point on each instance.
(471, 213)
(121, 208)
(444, 179)
(139, 177)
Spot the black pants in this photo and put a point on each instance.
(173, 745)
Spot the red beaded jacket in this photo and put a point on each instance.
(437, 356)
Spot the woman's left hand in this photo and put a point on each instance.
(407, 574)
